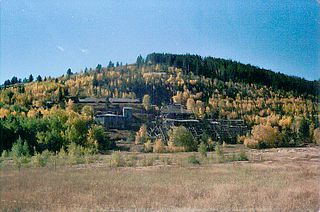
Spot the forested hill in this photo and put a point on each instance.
(227, 70)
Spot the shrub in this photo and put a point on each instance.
(141, 135)
(147, 161)
(266, 135)
(240, 139)
(158, 146)
(117, 160)
(131, 160)
(41, 160)
(193, 160)
(148, 146)
(219, 153)
(166, 161)
(98, 139)
(75, 154)
(19, 161)
(181, 136)
(316, 136)
(20, 149)
(251, 143)
(202, 149)
(5, 154)
(243, 156)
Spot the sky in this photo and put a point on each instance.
(47, 37)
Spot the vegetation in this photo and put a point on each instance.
(283, 181)
(280, 110)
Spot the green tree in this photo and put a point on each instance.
(39, 78)
(99, 68)
(69, 72)
(181, 136)
(97, 137)
(203, 149)
(304, 131)
(20, 148)
(30, 78)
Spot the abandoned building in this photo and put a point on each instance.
(219, 130)
(115, 121)
(92, 100)
(123, 101)
(175, 111)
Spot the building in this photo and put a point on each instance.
(92, 100)
(115, 121)
(123, 101)
(175, 111)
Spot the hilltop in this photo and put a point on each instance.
(282, 108)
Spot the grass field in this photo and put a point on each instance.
(272, 180)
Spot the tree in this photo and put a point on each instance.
(141, 135)
(87, 111)
(98, 138)
(50, 140)
(203, 149)
(140, 61)
(266, 135)
(181, 136)
(69, 72)
(158, 146)
(14, 80)
(30, 78)
(304, 128)
(20, 148)
(99, 68)
(39, 78)
(146, 102)
(111, 64)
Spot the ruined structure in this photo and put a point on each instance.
(115, 121)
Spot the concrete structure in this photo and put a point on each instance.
(114, 121)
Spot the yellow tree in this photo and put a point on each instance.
(146, 102)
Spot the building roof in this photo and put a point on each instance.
(175, 109)
(123, 100)
(92, 100)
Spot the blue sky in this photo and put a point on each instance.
(47, 37)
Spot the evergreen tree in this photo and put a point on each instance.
(39, 78)
(30, 78)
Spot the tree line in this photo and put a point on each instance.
(226, 70)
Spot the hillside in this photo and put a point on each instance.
(281, 110)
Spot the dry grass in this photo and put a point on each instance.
(285, 180)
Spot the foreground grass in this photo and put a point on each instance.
(280, 184)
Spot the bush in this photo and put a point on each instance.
(202, 149)
(266, 135)
(193, 160)
(158, 146)
(5, 154)
(75, 154)
(146, 161)
(243, 156)
(19, 161)
(148, 146)
(316, 136)
(131, 160)
(117, 160)
(251, 143)
(20, 149)
(41, 160)
(181, 136)
(219, 153)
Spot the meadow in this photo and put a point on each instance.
(283, 179)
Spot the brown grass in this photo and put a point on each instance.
(285, 180)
